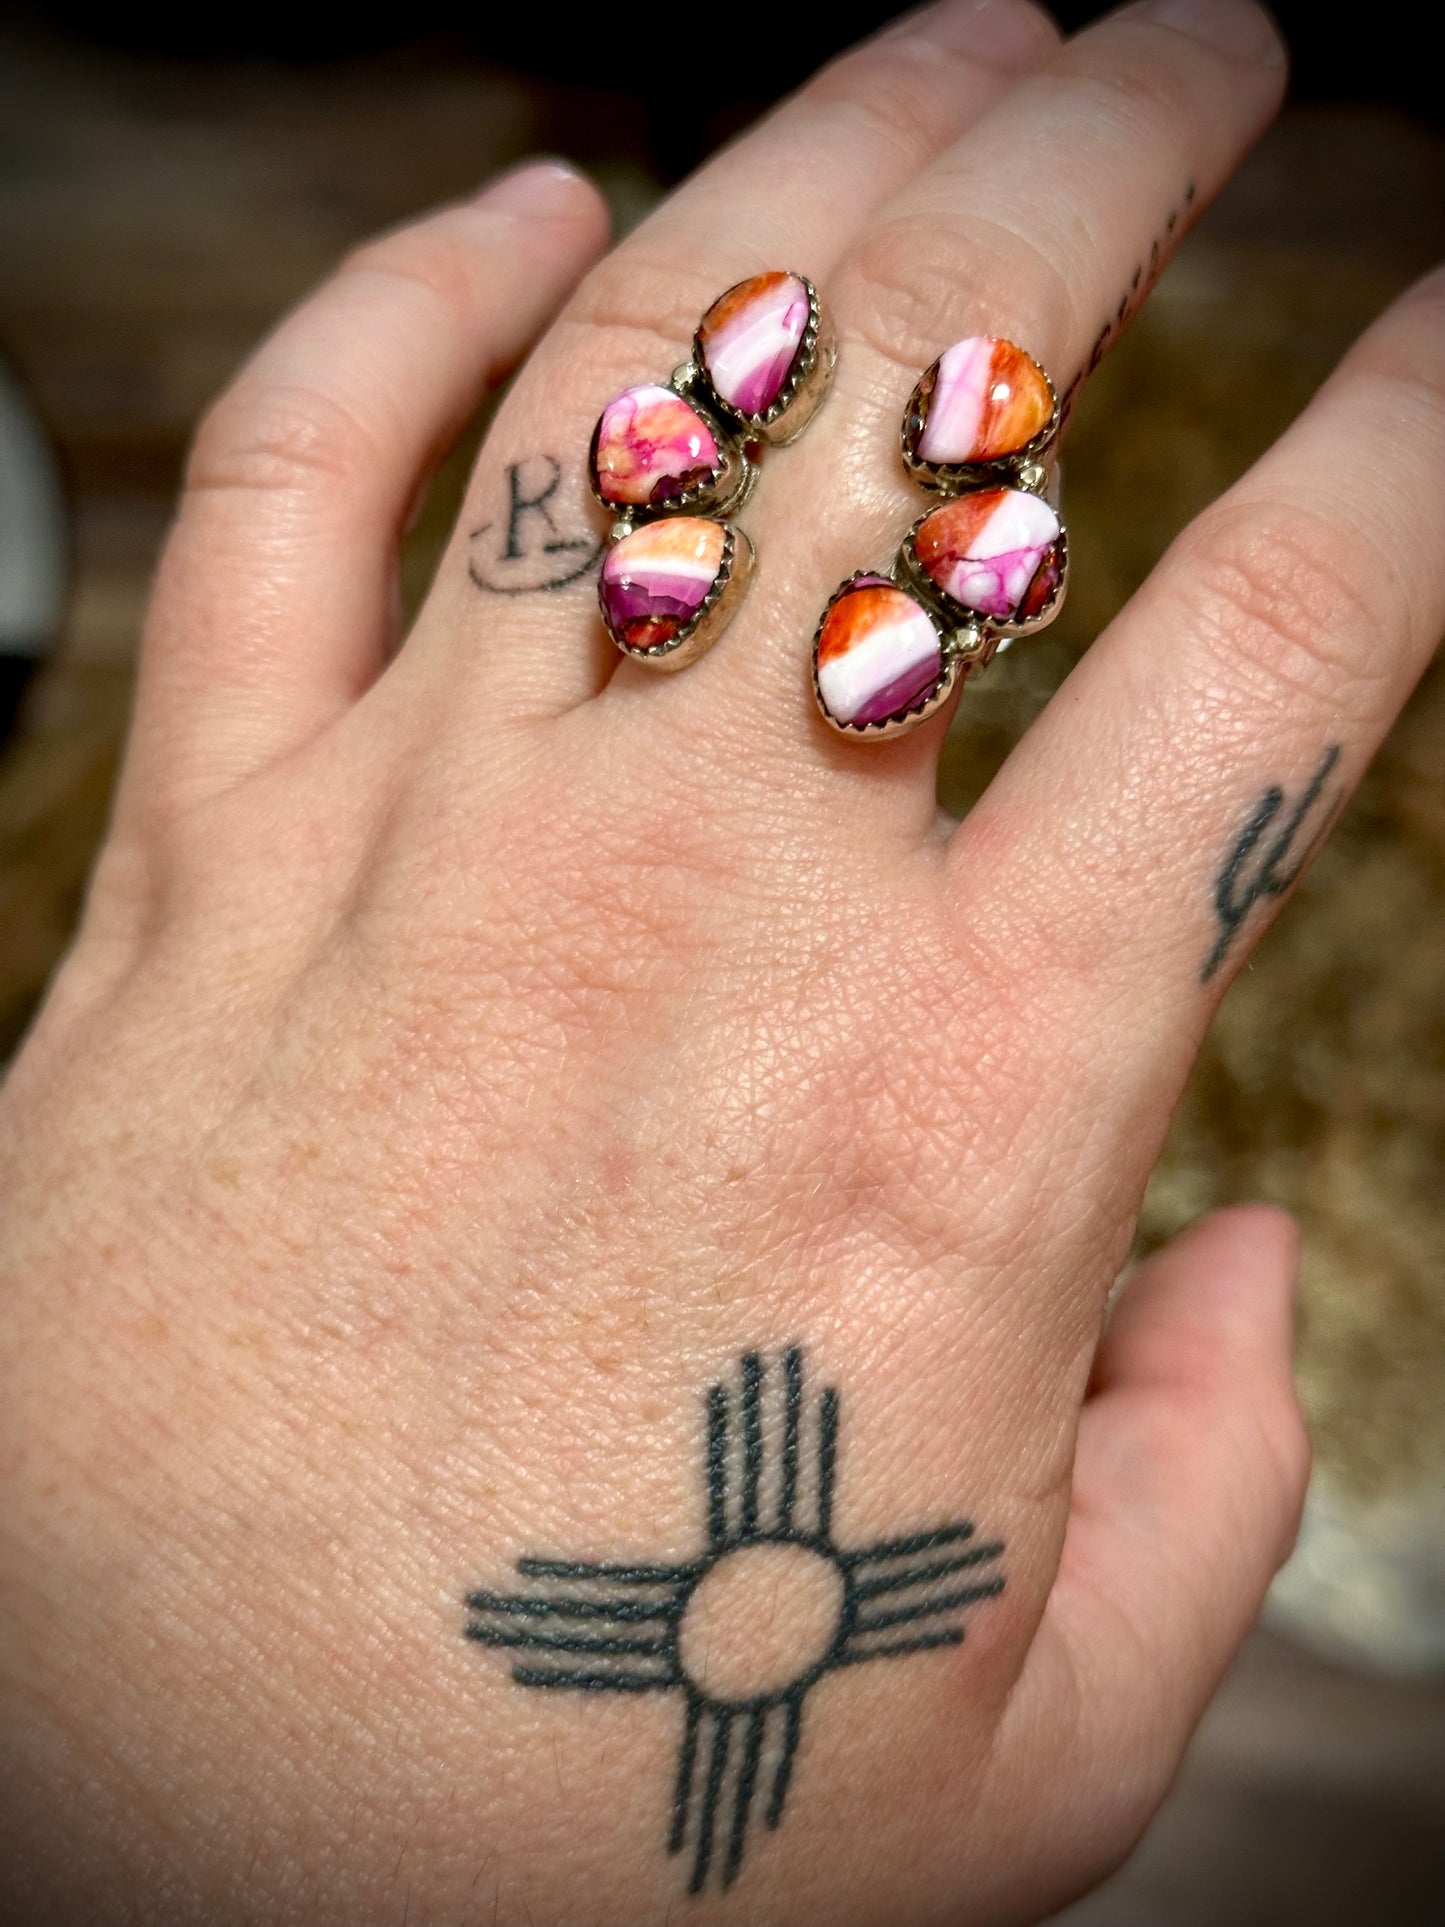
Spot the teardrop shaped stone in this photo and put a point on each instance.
(649, 447)
(988, 550)
(655, 580)
(750, 338)
(878, 652)
(983, 400)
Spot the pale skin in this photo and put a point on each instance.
(472, 1046)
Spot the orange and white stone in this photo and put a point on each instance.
(983, 400)
(994, 551)
(655, 580)
(878, 653)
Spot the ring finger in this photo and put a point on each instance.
(1205, 745)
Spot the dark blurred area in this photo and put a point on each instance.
(1334, 58)
(169, 183)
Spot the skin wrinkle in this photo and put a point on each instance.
(905, 279)
(1270, 598)
(899, 81)
(1159, 90)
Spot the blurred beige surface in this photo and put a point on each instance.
(153, 220)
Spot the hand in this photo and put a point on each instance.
(468, 1059)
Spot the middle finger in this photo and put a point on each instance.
(1044, 223)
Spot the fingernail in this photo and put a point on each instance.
(1238, 29)
(1005, 33)
(534, 188)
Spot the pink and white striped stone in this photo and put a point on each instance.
(878, 652)
(986, 549)
(750, 337)
(655, 580)
(983, 400)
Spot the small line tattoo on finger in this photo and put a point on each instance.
(1137, 291)
(1260, 867)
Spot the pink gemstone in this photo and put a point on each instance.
(750, 337)
(981, 401)
(655, 580)
(878, 653)
(988, 549)
(650, 447)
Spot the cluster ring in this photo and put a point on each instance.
(985, 563)
(672, 463)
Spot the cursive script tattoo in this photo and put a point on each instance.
(1133, 297)
(526, 551)
(743, 1631)
(1252, 874)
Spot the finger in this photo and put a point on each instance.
(1044, 223)
(275, 599)
(1189, 1476)
(1171, 793)
(791, 194)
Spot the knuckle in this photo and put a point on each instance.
(878, 93)
(1140, 86)
(281, 440)
(421, 260)
(1278, 596)
(906, 285)
(634, 292)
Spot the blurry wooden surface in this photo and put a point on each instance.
(155, 218)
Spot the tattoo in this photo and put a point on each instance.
(1243, 882)
(1132, 299)
(526, 552)
(747, 1628)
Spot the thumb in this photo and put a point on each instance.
(1189, 1476)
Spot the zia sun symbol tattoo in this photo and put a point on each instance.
(747, 1629)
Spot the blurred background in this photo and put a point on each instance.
(167, 187)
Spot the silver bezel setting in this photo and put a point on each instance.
(711, 617)
(959, 478)
(955, 666)
(724, 491)
(809, 377)
(968, 639)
